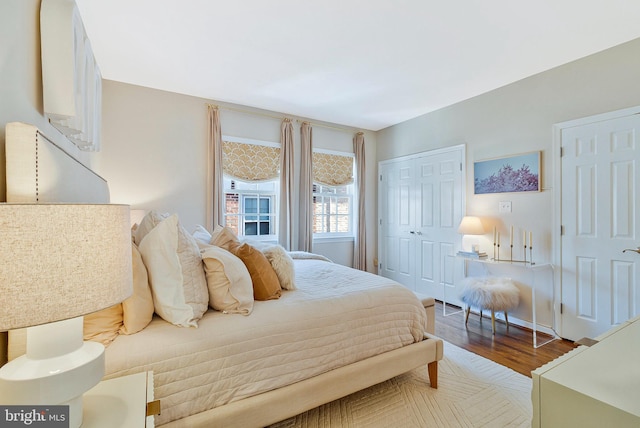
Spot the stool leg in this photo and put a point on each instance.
(466, 319)
(493, 322)
(506, 319)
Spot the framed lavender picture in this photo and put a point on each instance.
(519, 173)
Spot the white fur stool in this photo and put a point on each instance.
(496, 294)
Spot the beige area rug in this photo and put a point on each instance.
(472, 392)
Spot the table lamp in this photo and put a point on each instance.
(470, 225)
(59, 262)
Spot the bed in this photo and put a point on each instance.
(340, 331)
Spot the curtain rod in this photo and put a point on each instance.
(272, 116)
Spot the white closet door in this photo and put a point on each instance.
(439, 187)
(397, 216)
(420, 206)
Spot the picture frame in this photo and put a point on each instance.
(515, 173)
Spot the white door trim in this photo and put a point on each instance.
(556, 241)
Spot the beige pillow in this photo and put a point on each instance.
(265, 281)
(103, 326)
(224, 237)
(148, 222)
(176, 274)
(137, 309)
(228, 281)
(282, 264)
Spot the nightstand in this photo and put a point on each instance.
(120, 403)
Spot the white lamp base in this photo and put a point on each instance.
(56, 370)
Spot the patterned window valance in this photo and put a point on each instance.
(250, 162)
(332, 170)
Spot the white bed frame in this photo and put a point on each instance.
(39, 171)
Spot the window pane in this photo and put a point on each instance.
(318, 221)
(264, 228)
(333, 208)
(343, 205)
(342, 224)
(265, 204)
(251, 228)
(342, 190)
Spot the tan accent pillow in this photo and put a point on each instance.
(228, 281)
(137, 309)
(265, 281)
(224, 237)
(103, 326)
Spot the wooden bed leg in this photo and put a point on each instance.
(432, 368)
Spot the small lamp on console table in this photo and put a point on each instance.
(59, 262)
(470, 225)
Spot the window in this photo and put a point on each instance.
(250, 208)
(333, 194)
(251, 185)
(332, 209)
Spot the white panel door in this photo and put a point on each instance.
(600, 218)
(440, 187)
(420, 206)
(397, 217)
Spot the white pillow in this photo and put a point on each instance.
(282, 263)
(202, 234)
(228, 281)
(178, 284)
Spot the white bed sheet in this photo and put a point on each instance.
(327, 323)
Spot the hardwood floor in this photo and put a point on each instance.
(512, 348)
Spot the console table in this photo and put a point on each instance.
(532, 269)
(595, 386)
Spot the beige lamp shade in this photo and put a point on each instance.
(60, 261)
(471, 226)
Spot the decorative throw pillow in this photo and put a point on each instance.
(137, 309)
(224, 237)
(201, 234)
(282, 263)
(103, 326)
(265, 281)
(148, 222)
(176, 275)
(228, 280)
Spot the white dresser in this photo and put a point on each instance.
(597, 386)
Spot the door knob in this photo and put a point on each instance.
(412, 232)
(637, 250)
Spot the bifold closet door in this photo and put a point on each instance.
(420, 207)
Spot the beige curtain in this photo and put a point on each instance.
(305, 238)
(285, 231)
(215, 185)
(360, 248)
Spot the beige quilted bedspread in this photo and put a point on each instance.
(328, 322)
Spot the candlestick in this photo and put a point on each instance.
(511, 236)
(530, 239)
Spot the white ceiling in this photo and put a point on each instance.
(366, 64)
